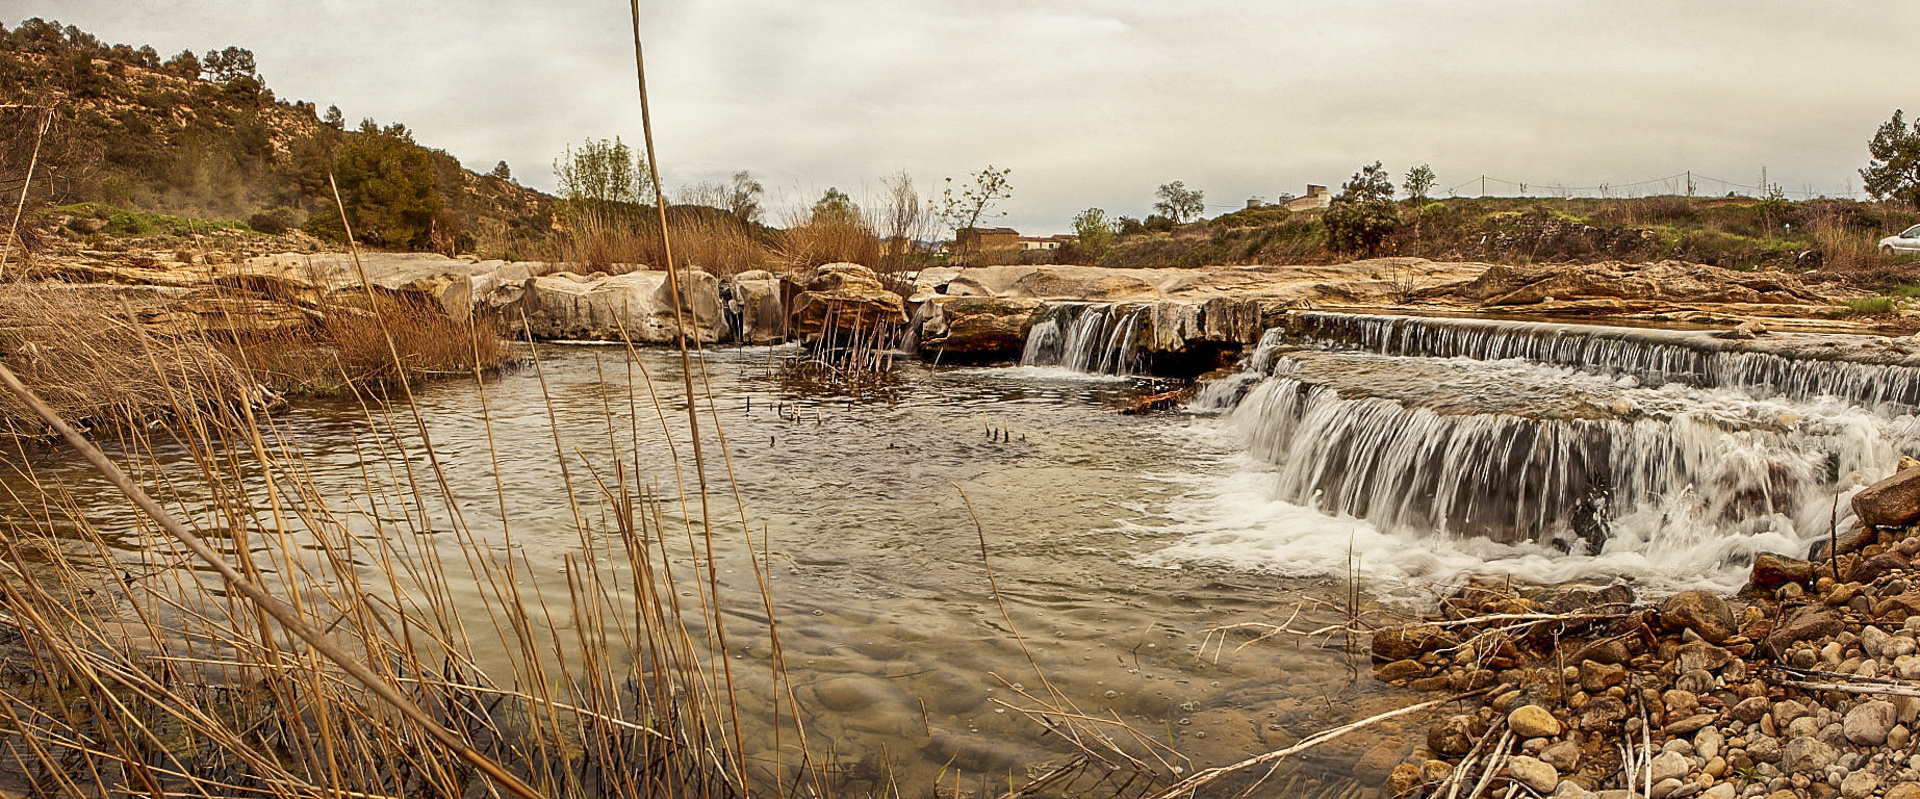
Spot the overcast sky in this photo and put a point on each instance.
(1095, 103)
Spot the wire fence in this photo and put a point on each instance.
(1687, 182)
(1684, 183)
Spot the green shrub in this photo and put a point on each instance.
(1872, 306)
(1253, 217)
(273, 221)
(131, 224)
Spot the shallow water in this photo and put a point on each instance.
(899, 652)
(1119, 543)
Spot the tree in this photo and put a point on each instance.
(900, 219)
(1179, 203)
(229, 65)
(334, 119)
(1894, 171)
(1420, 180)
(501, 171)
(387, 185)
(835, 208)
(962, 211)
(742, 197)
(602, 182)
(1093, 233)
(1363, 213)
(185, 65)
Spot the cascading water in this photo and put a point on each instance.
(1863, 370)
(1101, 339)
(1720, 468)
(1668, 454)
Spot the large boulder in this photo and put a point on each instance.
(843, 296)
(976, 326)
(1058, 282)
(755, 306)
(637, 307)
(1890, 502)
(455, 286)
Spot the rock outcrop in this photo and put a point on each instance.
(847, 296)
(976, 326)
(637, 307)
(756, 305)
(1660, 281)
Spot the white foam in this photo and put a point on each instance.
(1230, 520)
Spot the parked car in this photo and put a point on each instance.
(1905, 241)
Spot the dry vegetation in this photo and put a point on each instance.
(354, 346)
(101, 366)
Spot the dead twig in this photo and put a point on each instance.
(1193, 783)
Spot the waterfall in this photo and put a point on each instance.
(1863, 370)
(1560, 481)
(1578, 436)
(1101, 339)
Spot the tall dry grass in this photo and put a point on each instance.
(816, 242)
(347, 348)
(1842, 246)
(703, 238)
(152, 678)
(103, 365)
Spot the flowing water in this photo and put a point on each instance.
(1099, 339)
(1411, 452)
(901, 656)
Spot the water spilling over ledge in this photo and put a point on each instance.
(1870, 371)
(1583, 438)
(1102, 339)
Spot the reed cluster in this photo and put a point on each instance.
(100, 365)
(128, 671)
(378, 340)
(703, 238)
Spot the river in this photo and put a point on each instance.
(1339, 457)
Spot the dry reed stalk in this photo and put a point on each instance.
(1191, 784)
(288, 618)
(26, 184)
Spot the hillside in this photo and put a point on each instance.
(205, 137)
(1835, 239)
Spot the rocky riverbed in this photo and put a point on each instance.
(1805, 684)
